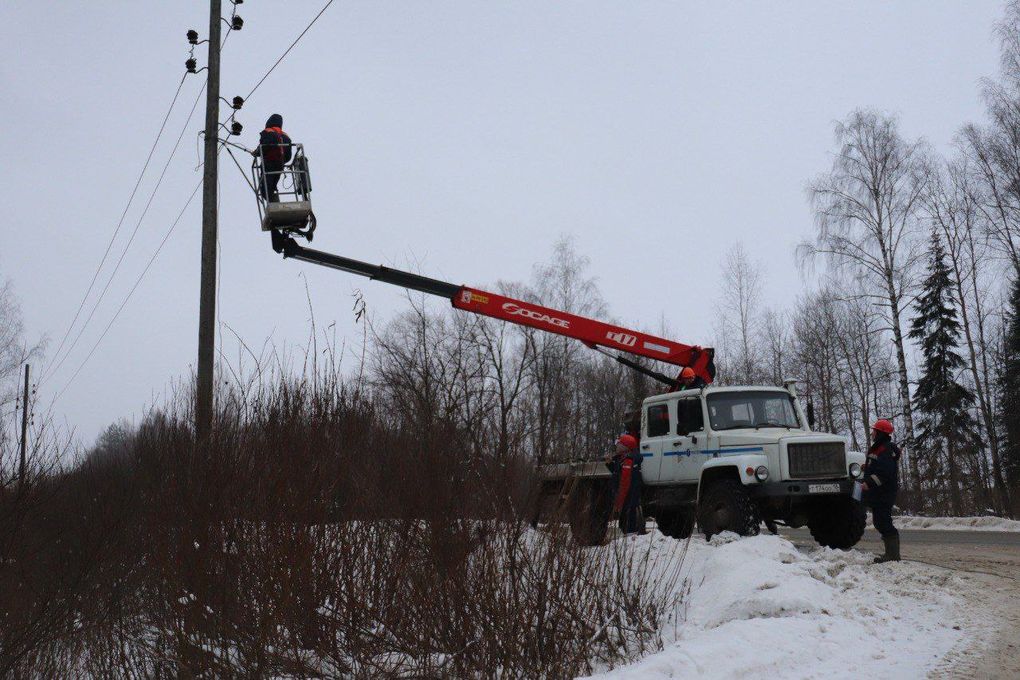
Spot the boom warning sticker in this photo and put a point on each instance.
(656, 347)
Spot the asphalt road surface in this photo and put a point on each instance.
(987, 564)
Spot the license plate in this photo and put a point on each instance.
(823, 488)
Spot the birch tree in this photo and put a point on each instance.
(867, 209)
(994, 149)
(741, 311)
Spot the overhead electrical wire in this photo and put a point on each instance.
(46, 373)
(149, 202)
(138, 281)
(120, 223)
(287, 51)
(127, 246)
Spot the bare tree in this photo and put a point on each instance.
(837, 350)
(867, 209)
(509, 363)
(775, 340)
(815, 340)
(994, 149)
(427, 368)
(741, 314)
(563, 283)
(15, 350)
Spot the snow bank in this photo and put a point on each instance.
(758, 607)
(957, 523)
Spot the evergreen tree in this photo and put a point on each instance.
(1009, 396)
(945, 427)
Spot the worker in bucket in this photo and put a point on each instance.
(275, 149)
(880, 485)
(626, 468)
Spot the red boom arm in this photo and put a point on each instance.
(588, 331)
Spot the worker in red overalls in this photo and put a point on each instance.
(627, 482)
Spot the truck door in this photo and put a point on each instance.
(655, 438)
(685, 453)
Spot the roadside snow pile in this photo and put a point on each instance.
(958, 523)
(759, 607)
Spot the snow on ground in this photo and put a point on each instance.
(957, 523)
(758, 607)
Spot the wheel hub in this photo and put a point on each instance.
(721, 515)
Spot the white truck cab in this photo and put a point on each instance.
(728, 458)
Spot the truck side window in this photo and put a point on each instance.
(658, 420)
(689, 417)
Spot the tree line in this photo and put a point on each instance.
(913, 314)
(916, 316)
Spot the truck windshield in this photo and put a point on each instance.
(734, 410)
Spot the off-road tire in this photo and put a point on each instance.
(726, 506)
(676, 523)
(837, 523)
(589, 510)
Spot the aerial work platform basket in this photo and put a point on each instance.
(283, 192)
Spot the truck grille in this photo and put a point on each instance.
(821, 459)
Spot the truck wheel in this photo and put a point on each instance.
(676, 523)
(837, 523)
(726, 506)
(590, 508)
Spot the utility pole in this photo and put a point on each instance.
(207, 295)
(24, 433)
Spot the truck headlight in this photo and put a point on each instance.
(855, 470)
(761, 473)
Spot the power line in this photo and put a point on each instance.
(169, 232)
(120, 223)
(266, 75)
(287, 51)
(127, 246)
(46, 373)
(138, 281)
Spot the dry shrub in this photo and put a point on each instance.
(313, 536)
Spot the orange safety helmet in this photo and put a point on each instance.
(687, 373)
(883, 425)
(626, 442)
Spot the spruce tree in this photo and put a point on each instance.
(945, 427)
(1009, 396)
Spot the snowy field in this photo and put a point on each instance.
(758, 607)
(957, 523)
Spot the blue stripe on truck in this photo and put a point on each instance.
(714, 452)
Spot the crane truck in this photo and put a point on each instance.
(722, 458)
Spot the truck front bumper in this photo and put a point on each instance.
(802, 487)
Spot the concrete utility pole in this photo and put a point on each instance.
(24, 432)
(207, 296)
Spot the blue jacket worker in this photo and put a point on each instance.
(880, 485)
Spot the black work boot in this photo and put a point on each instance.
(892, 549)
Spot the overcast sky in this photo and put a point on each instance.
(462, 137)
